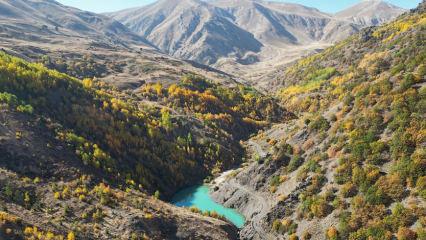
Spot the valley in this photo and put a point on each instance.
(250, 39)
(187, 119)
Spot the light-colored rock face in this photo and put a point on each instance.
(247, 38)
(189, 29)
(207, 31)
(48, 17)
(105, 48)
(277, 23)
(370, 12)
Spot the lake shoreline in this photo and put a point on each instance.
(199, 196)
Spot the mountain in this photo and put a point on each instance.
(96, 46)
(211, 113)
(104, 124)
(353, 163)
(189, 29)
(276, 23)
(61, 177)
(370, 13)
(52, 18)
(96, 153)
(247, 38)
(222, 26)
(99, 130)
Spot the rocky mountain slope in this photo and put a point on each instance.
(190, 29)
(47, 192)
(48, 17)
(352, 166)
(77, 157)
(88, 150)
(84, 44)
(370, 13)
(249, 37)
(119, 145)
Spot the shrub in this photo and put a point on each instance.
(377, 148)
(276, 225)
(12, 100)
(319, 124)
(421, 233)
(306, 236)
(400, 217)
(275, 181)
(332, 233)
(407, 82)
(375, 195)
(348, 190)
(98, 215)
(392, 186)
(71, 236)
(312, 165)
(316, 183)
(25, 109)
(8, 98)
(314, 206)
(284, 226)
(157, 194)
(406, 234)
(320, 208)
(343, 172)
(372, 232)
(293, 237)
(290, 227)
(282, 152)
(344, 226)
(295, 162)
(421, 186)
(194, 210)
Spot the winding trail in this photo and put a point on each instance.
(258, 148)
(257, 228)
(258, 216)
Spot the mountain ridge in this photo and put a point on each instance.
(353, 164)
(371, 12)
(96, 129)
(275, 33)
(198, 22)
(96, 46)
(71, 20)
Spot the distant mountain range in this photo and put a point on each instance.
(241, 29)
(48, 17)
(249, 40)
(85, 44)
(373, 12)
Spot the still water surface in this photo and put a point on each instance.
(198, 196)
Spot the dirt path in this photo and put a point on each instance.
(257, 221)
(256, 227)
(257, 149)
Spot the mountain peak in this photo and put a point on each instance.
(370, 12)
(207, 31)
(178, 3)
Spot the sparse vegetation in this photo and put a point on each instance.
(364, 109)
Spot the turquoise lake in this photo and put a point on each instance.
(199, 197)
